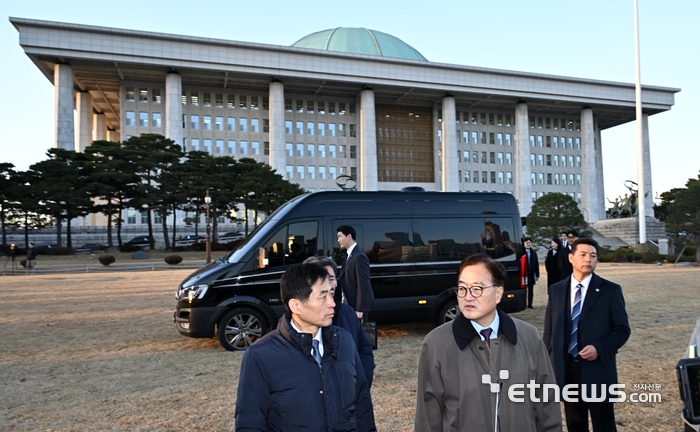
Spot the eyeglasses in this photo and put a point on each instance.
(475, 291)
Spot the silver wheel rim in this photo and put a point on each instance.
(242, 330)
(450, 314)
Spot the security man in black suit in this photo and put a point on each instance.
(564, 264)
(585, 324)
(354, 276)
(533, 270)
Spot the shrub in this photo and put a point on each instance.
(106, 259)
(173, 259)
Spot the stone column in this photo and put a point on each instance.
(112, 135)
(450, 180)
(173, 107)
(646, 174)
(437, 148)
(368, 142)
(99, 127)
(83, 102)
(278, 155)
(523, 184)
(599, 173)
(64, 126)
(589, 181)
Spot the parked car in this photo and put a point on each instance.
(230, 236)
(139, 241)
(189, 239)
(91, 247)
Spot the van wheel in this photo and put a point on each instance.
(240, 327)
(448, 312)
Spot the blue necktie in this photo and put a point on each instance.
(316, 353)
(575, 313)
(486, 333)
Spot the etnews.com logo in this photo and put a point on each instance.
(570, 392)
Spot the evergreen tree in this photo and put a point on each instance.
(550, 215)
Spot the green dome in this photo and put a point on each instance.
(359, 41)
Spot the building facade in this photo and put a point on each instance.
(340, 102)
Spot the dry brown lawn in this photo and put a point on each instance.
(99, 352)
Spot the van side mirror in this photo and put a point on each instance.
(523, 220)
(262, 259)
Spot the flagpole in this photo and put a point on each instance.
(641, 192)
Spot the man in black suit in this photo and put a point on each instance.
(564, 263)
(533, 270)
(585, 324)
(354, 276)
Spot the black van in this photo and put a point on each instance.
(414, 241)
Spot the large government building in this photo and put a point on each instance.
(343, 101)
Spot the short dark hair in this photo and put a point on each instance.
(298, 280)
(496, 270)
(557, 240)
(527, 239)
(347, 230)
(573, 232)
(323, 262)
(586, 241)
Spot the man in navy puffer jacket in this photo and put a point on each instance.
(306, 374)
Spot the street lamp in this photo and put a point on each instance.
(207, 200)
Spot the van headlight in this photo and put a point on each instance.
(192, 292)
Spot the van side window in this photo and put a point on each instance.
(292, 244)
(447, 239)
(384, 241)
(498, 241)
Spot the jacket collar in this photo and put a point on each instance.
(464, 332)
(303, 341)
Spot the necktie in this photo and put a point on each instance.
(316, 353)
(575, 313)
(486, 333)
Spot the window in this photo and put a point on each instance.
(540, 178)
(578, 161)
(194, 98)
(184, 97)
(353, 130)
(300, 128)
(206, 121)
(341, 108)
(129, 94)
(254, 103)
(219, 123)
(143, 118)
(475, 137)
(508, 142)
(578, 179)
(467, 176)
(483, 137)
(266, 125)
(289, 149)
(341, 152)
(484, 177)
(321, 173)
(130, 119)
(310, 150)
(509, 177)
(300, 150)
(492, 157)
(571, 143)
(540, 141)
(194, 121)
(231, 124)
(540, 159)
(556, 178)
(144, 217)
(331, 151)
(500, 158)
(532, 122)
(474, 120)
(288, 127)
(332, 172)
(547, 123)
(465, 137)
(195, 144)
(499, 121)
(439, 134)
(290, 172)
(321, 107)
(483, 121)
(255, 148)
(266, 103)
(243, 146)
(539, 122)
(571, 161)
(231, 147)
(301, 173)
(555, 142)
(549, 160)
(563, 142)
(219, 100)
(578, 125)
(353, 152)
(532, 159)
(341, 129)
(310, 128)
(242, 124)
(548, 141)
(492, 138)
(331, 108)
(300, 106)
(500, 177)
(499, 139)
(288, 105)
(476, 176)
(508, 120)
(578, 143)
(475, 157)
(351, 109)
(231, 101)
(532, 140)
(157, 120)
(322, 129)
(556, 160)
(220, 146)
(509, 158)
(206, 99)
(483, 157)
(156, 97)
(254, 125)
(549, 176)
(571, 179)
(331, 129)
(555, 124)
(293, 237)
(563, 161)
(243, 102)
(563, 179)
(207, 146)
(322, 150)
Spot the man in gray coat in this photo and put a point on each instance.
(467, 367)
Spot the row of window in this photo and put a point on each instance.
(313, 128)
(318, 107)
(229, 147)
(310, 150)
(155, 95)
(481, 118)
(156, 119)
(553, 179)
(499, 177)
(553, 141)
(542, 160)
(474, 137)
(309, 172)
(486, 157)
(217, 123)
(555, 123)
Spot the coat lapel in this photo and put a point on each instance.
(592, 294)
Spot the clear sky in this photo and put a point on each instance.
(592, 39)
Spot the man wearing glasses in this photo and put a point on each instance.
(461, 379)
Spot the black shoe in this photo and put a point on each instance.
(530, 307)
